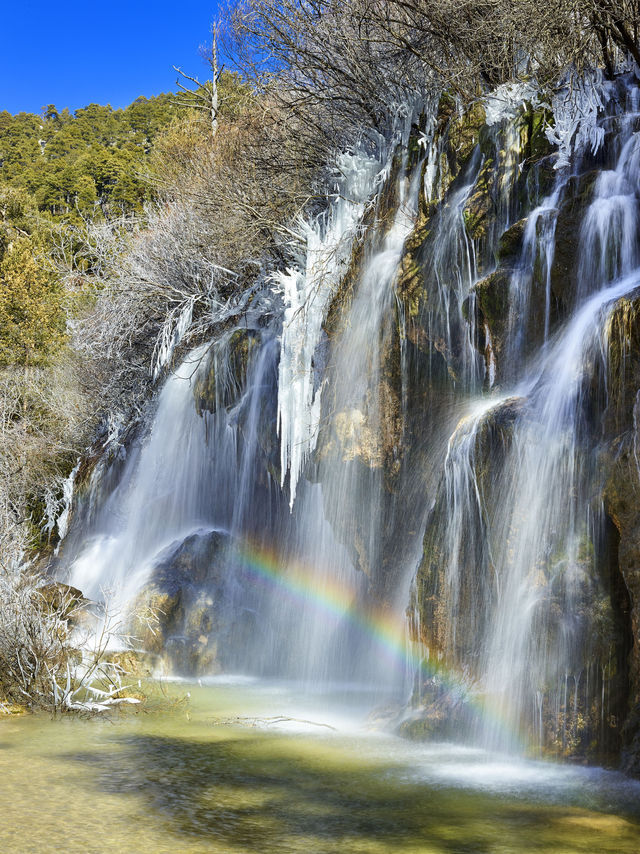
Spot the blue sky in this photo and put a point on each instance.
(71, 53)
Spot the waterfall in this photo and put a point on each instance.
(544, 514)
(514, 526)
(609, 233)
(308, 290)
(354, 440)
(324, 488)
(536, 257)
(282, 593)
(192, 470)
(453, 268)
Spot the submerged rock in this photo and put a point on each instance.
(441, 715)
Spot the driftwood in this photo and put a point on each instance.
(242, 720)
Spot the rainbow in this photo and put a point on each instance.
(387, 630)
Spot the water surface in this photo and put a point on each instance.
(228, 770)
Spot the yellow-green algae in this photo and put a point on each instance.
(183, 780)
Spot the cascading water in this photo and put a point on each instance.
(515, 529)
(537, 637)
(536, 259)
(307, 292)
(609, 245)
(191, 473)
(453, 267)
(353, 442)
(281, 594)
(294, 558)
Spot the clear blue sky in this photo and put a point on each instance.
(71, 53)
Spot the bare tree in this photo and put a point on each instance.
(55, 654)
(337, 60)
(204, 96)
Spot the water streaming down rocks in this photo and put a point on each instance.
(198, 526)
(518, 591)
(453, 376)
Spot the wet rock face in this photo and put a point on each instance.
(424, 358)
(564, 272)
(498, 318)
(507, 173)
(361, 450)
(502, 313)
(179, 612)
(432, 593)
(622, 502)
(622, 493)
(360, 447)
(492, 307)
(457, 582)
(510, 243)
(222, 376)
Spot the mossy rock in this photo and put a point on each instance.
(623, 363)
(179, 613)
(133, 662)
(492, 295)
(538, 145)
(57, 596)
(9, 709)
(564, 272)
(492, 442)
(464, 133)
(444, 715)
(446, 108)
(221, 378)
(480, 208)
(410, 282)
(418, 729)
(510, 243)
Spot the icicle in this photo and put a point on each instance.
(576, 108)
(308, 291)
(504, 101)
(175, 328)
(67, 498)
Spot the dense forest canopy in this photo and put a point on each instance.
(74, 164)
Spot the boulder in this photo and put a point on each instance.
(180, 614)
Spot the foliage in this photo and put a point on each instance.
(86, 163)
(32, 321)
(220, 217)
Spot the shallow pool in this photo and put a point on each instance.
(240, 766)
